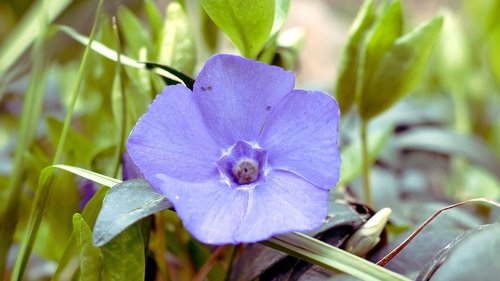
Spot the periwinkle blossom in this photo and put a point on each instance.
(243, 156)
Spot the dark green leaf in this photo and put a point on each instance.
(177, 48)
(90, 256)
(125, 204)
(446, 142)
(473, 255)
(123, 257)
(247, 23)
(400, 70)
(348, 69)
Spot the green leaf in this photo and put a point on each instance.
(453, 56)
(90, 256)
(400, 70)
(247, 23)
(492, 53)
(349, 63)
(280, 15)
(332, 258)
(123, 257)
(379, 40)
(135, 35)
(89, 214)
(209, 31)
(125, 204)
(155, 20)
(178, 49)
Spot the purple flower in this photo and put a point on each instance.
(243, 156)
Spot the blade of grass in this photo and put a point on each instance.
(317, 252)
(28, 29)
(172, 75)
(119, 104)
(29, 122)
(43, 190)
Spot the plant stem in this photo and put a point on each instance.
(366, 164)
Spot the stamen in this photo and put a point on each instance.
(246, 171)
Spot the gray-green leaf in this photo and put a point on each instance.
(247, 23)
(400, 70)
(125, 204)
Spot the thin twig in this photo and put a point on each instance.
(207, 266)
(401, 246)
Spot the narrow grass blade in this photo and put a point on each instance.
(166, 72)
(43, 190)
(29, 122)
(28, 29)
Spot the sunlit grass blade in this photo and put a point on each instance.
(327, 256)
(28, 29)
(169, 73)
(90, 175)
(29, 122)
(46, 179)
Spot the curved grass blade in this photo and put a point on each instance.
(170, 75)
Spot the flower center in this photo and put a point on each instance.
(243, 164)
(246, 171)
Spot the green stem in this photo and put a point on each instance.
(366, 164)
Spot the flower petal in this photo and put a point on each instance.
(235, 96)
(301, 136)
(216, 213)
(211, 210)
(171, 139)
(281, 204)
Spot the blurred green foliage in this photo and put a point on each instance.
(440, 143)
